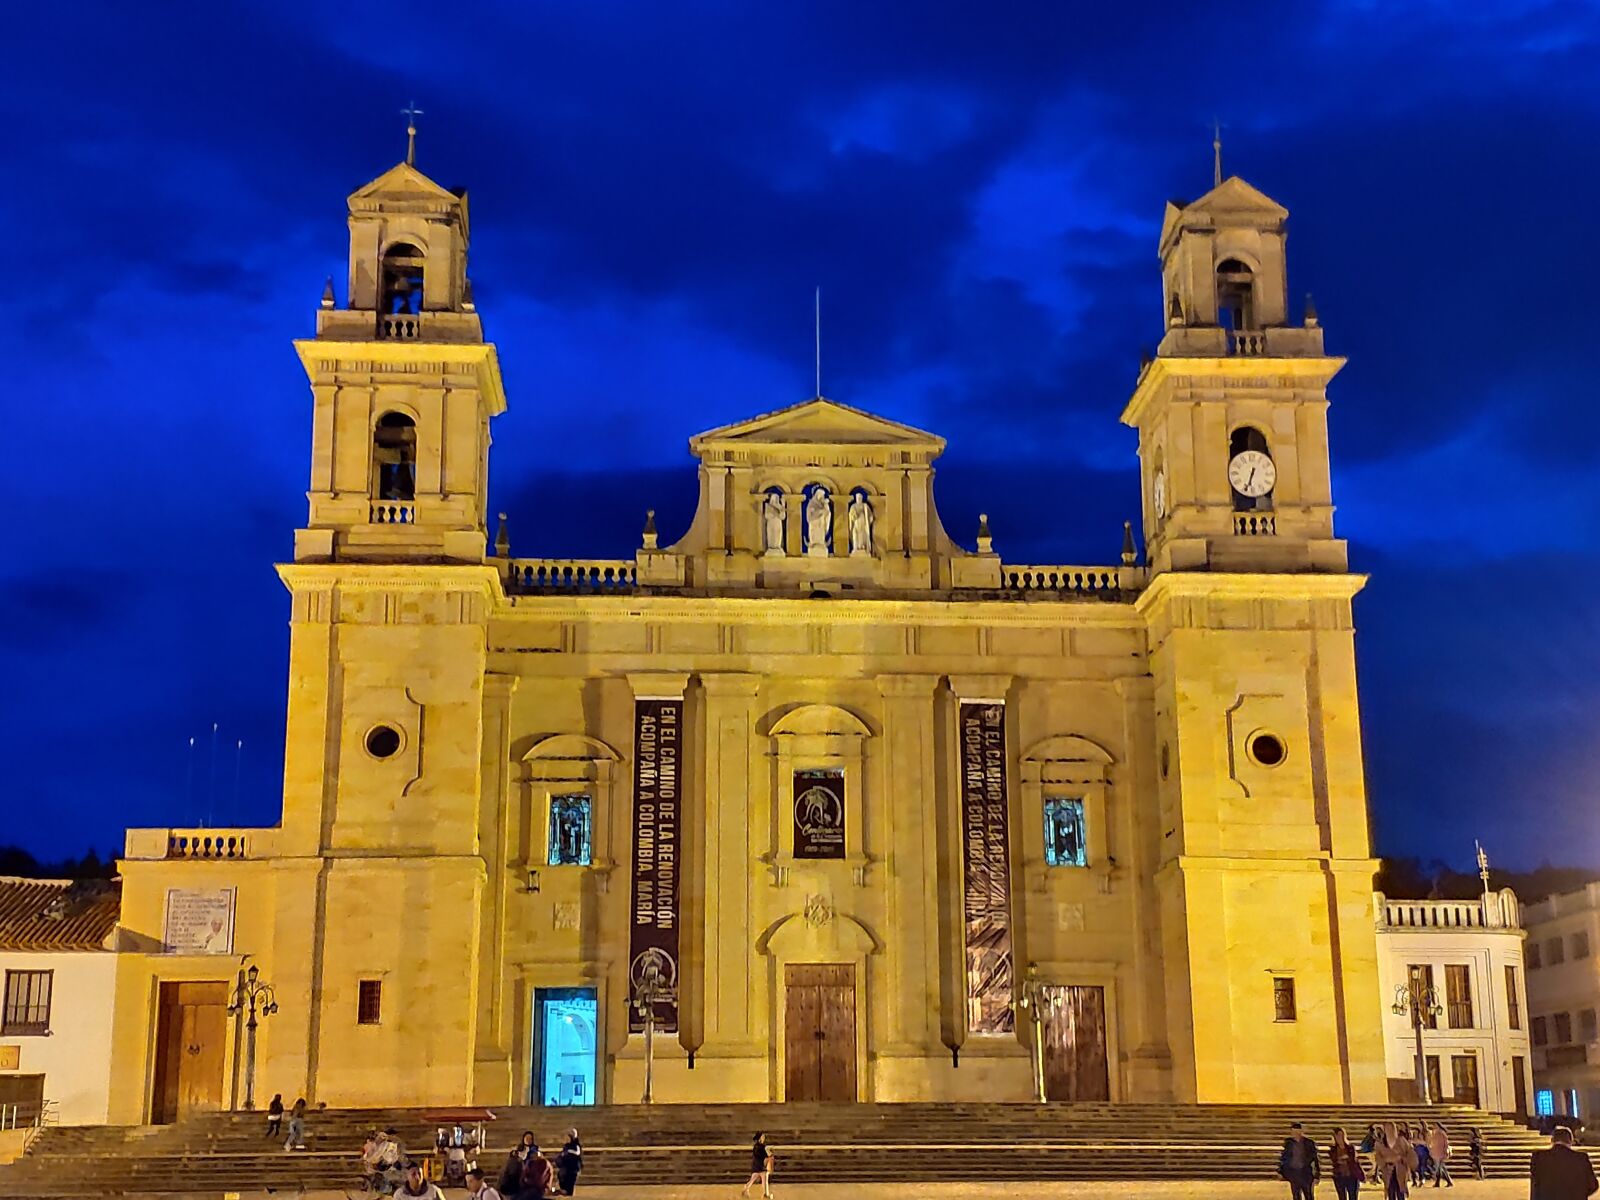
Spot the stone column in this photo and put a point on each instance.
(728, 766)
(911, 902)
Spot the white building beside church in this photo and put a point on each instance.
(1463, 958)
(1564, 996)
(58, 972)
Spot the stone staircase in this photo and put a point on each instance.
(709, 1144)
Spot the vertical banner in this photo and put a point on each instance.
(819, 814)
(985, 836)
(657, 858)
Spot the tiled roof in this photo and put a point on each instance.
(57, 914)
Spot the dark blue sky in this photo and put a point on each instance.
(656, 188)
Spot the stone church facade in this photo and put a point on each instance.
(818, 801)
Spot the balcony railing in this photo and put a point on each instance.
(404, 327)
(1104, 582)
(1254, 524)
(1250, 343)
(1497, 910)
(570, 576)
(207, 844)
(393, 512)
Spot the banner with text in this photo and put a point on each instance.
(657, 859)
(985, 837)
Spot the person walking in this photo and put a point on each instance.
(1439, 1151)
(297, 1126)
(478, 1188)
(1419, 1146)
(1561, 1173)
(569, 1162)
(760, 1167)
(1395, 1160)
(1298, 1163)
(1475, 1151)
(275, 1117)
(1345, 1166)
(416, 1186)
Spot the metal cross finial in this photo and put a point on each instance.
(411, 112)
(818, 327)
(1216, 152)
(1483, 865)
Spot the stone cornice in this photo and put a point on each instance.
(323, 357)
(409, 577)
(1213, 585)
(786, 610)
(1233, 372)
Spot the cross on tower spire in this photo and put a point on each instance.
(1216, 152)
(411, 112)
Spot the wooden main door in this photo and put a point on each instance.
(1464, 1074)
(1075, 1044)
(819, 1032)
(191, 1037)
(1519, 1085)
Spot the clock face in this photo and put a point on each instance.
(1252, 473)
(1158, 493)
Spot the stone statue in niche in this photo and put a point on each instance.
(819, 521)
(860, 524)
(774, 515)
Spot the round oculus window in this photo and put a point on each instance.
(383, 741)
(1267, 749)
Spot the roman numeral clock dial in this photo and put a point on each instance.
(1252, 473)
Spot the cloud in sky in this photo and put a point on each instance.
(656, 191)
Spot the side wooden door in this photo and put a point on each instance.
(819, 1032)
(1075, 1066)
(191, 1044)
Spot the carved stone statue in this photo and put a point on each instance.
(860, 524)
(819, 521)
(774, 516)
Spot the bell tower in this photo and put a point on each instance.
(1232, 411)
(403, 386)
(1265, 879)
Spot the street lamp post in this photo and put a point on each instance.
(1419, 1002)
(650, 991)
(1032, 1001)
(257, 1000)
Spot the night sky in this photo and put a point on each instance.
(656, 190)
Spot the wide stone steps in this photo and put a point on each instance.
(701, 1145)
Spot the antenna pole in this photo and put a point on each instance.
(819, 341)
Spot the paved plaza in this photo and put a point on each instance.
(1467, 1189)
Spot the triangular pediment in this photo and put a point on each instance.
(820, 423)
(1232, 198)
(403, 182)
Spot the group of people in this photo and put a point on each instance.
(1402, 1157)
(529, 1175)
(297, 1122)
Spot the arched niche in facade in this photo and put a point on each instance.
(559, 768)
(818, 744)
(1066, 767)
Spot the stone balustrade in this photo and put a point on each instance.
(1496, 910)
(1249, 343)
(404, 327)
(393, 512)
(1107, 582)
(1255, 524)
(571, 576)
(208, 843)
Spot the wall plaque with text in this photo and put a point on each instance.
(819, 814)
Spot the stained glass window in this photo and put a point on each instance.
(571, 826)
(1064, 844)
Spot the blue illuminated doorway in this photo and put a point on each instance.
(564, 1046)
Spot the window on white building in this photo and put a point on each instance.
(27, 1004)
